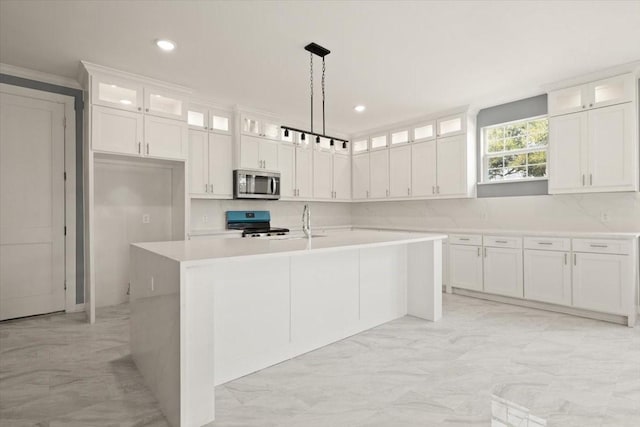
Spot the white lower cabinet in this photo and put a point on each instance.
(547, 276)
(601, 282)
(465, 267)
(503, 271)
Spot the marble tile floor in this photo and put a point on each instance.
(59, 371)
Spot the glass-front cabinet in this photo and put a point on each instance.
(360, 145)
(116, 93)
(451, 125)
(260, 126)
(424, 131)
(400, 136)
(162, 103)
(204, 118)
(567, 100)
(379, 141)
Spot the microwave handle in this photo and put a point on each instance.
(274, 185)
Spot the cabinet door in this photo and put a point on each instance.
(162, 103)
(503, 271)
(424, 131)
(547, 276)
(250, 152)
(116, 131)
(220, 164)
(341, 177)
(423, 169)
(452, 166)
(379, 174)
(567, 153)
(287, 163)
(220, 121)
(451, 125)
(465, 267)
(198, 117)
(569, 100)
(165, 138)
(360, 175)
(615, 90)
(269, 155)
(400, 171)
(600, 282)
(613, 161)
(304, 172)
(116, 93)
(271, 130)
(250, 126)
(322, 174)
(198, 162)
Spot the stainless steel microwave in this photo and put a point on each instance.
(248, 184)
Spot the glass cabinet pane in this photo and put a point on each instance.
(250, 125)
(196, 118)
(125, 97)
(400, 137)
(360, 145)
(613, 90)
(271, 130)
(567, 100)
(324, 143)
(424, 132)
(449, 125)
(164, 105)
(378, 141)
(220, 123)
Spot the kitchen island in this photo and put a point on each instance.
(205, 312)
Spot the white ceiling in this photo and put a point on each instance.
(400, 59)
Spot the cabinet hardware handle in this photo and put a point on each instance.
(139, 108)
(502, 241)
(147, 148)
(583, 179)
(478, 251)
(590, 179)
(433, 189)
(575, 259)
(438, 189)
(146, 109)
(565, 259)
(593, 245)
(584, 106)
(206, 188)
(139, 147)
(485, 252)
(545, 243)
(212, 188)
(408, 191)
(590, 105)
(367, 194)
(464, 238)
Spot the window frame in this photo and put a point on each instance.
(486, 155)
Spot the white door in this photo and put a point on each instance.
(269, 155)
(423, 169)
(165, 138)
(379, 174)
(599, 282)
(322, 174)
(400, 171)
(452, 166)
(304, 172)
(503, 271)
(465, 267)
(341, 177)
(198, 163)
(287, 157)
(116, 131)
(220, 170)
(611, 154)
(547, 276)
(360, 171)
(567, 153)
(32, 265)
(250, 152)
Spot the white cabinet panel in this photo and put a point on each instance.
(162, 103)
(116, 131)
(465, 267)
(567, 153)
(400, 171)
(452, 166)
(615, 90)
(547, 276)
(502, 241)
(250, 152)
(220, 166)
(602, 246)
(568, 100)
(287, 163)
(423, 169)
(612, 157)
(198, 162)
(379, 174)
(165, 138)
(116, 93)
(360, 171)
(548, 243)
(322, 174)
(341, 177)
(503, 271)
(424, 132)
(600, 282)
(451, 125)
(304, 172)
(269, 155)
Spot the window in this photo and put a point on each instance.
(515, 150)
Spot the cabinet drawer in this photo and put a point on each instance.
(503, 242)
(465, 239)
(602, 246)
(548, 243)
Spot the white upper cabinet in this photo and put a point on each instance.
(341, 177)
(567, 153)
(162, 103)
(210, 173)
(360, 176)
(601, 93)
(198, 117)
(116, 93)
(360, 145)
(258, 153)
(322, 174)
(424, 131)
(400, 171)
(205, 118)
(451, 125)
(260, 126)
(400, 137)
(423, 169)
(287, 167)
(379, 141)
(116, 131)
(379, 174)
(304, 172)
(198, 163)
(452, 166)
(165, 138)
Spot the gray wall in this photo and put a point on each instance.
(79, 106)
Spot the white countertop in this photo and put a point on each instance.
(213, 249)
(504, 232)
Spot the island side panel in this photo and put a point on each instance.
(424, 286)
(155, 326)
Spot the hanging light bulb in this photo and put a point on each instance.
(331, 142)
(286, 133)
(317, 140)
(344, 145)
(302, 137)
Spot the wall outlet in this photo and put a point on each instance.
(604, 216)
(205, 219)
(146, 219)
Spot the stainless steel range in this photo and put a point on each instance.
(253, 223)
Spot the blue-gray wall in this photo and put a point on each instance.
(79, 106)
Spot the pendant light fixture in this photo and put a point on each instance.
(316, 49)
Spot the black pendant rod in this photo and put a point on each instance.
(321, 135)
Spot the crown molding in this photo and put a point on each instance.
(39, 76)
(630, 67)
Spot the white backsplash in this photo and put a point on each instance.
(283, 213)
(615, 212)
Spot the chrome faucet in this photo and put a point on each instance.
(306, 221)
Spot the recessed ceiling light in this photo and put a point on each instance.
(125, 102)
(359, 108)
(166, 45)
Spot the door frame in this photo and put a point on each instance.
(69, 185)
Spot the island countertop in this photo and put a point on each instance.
(188, 251)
